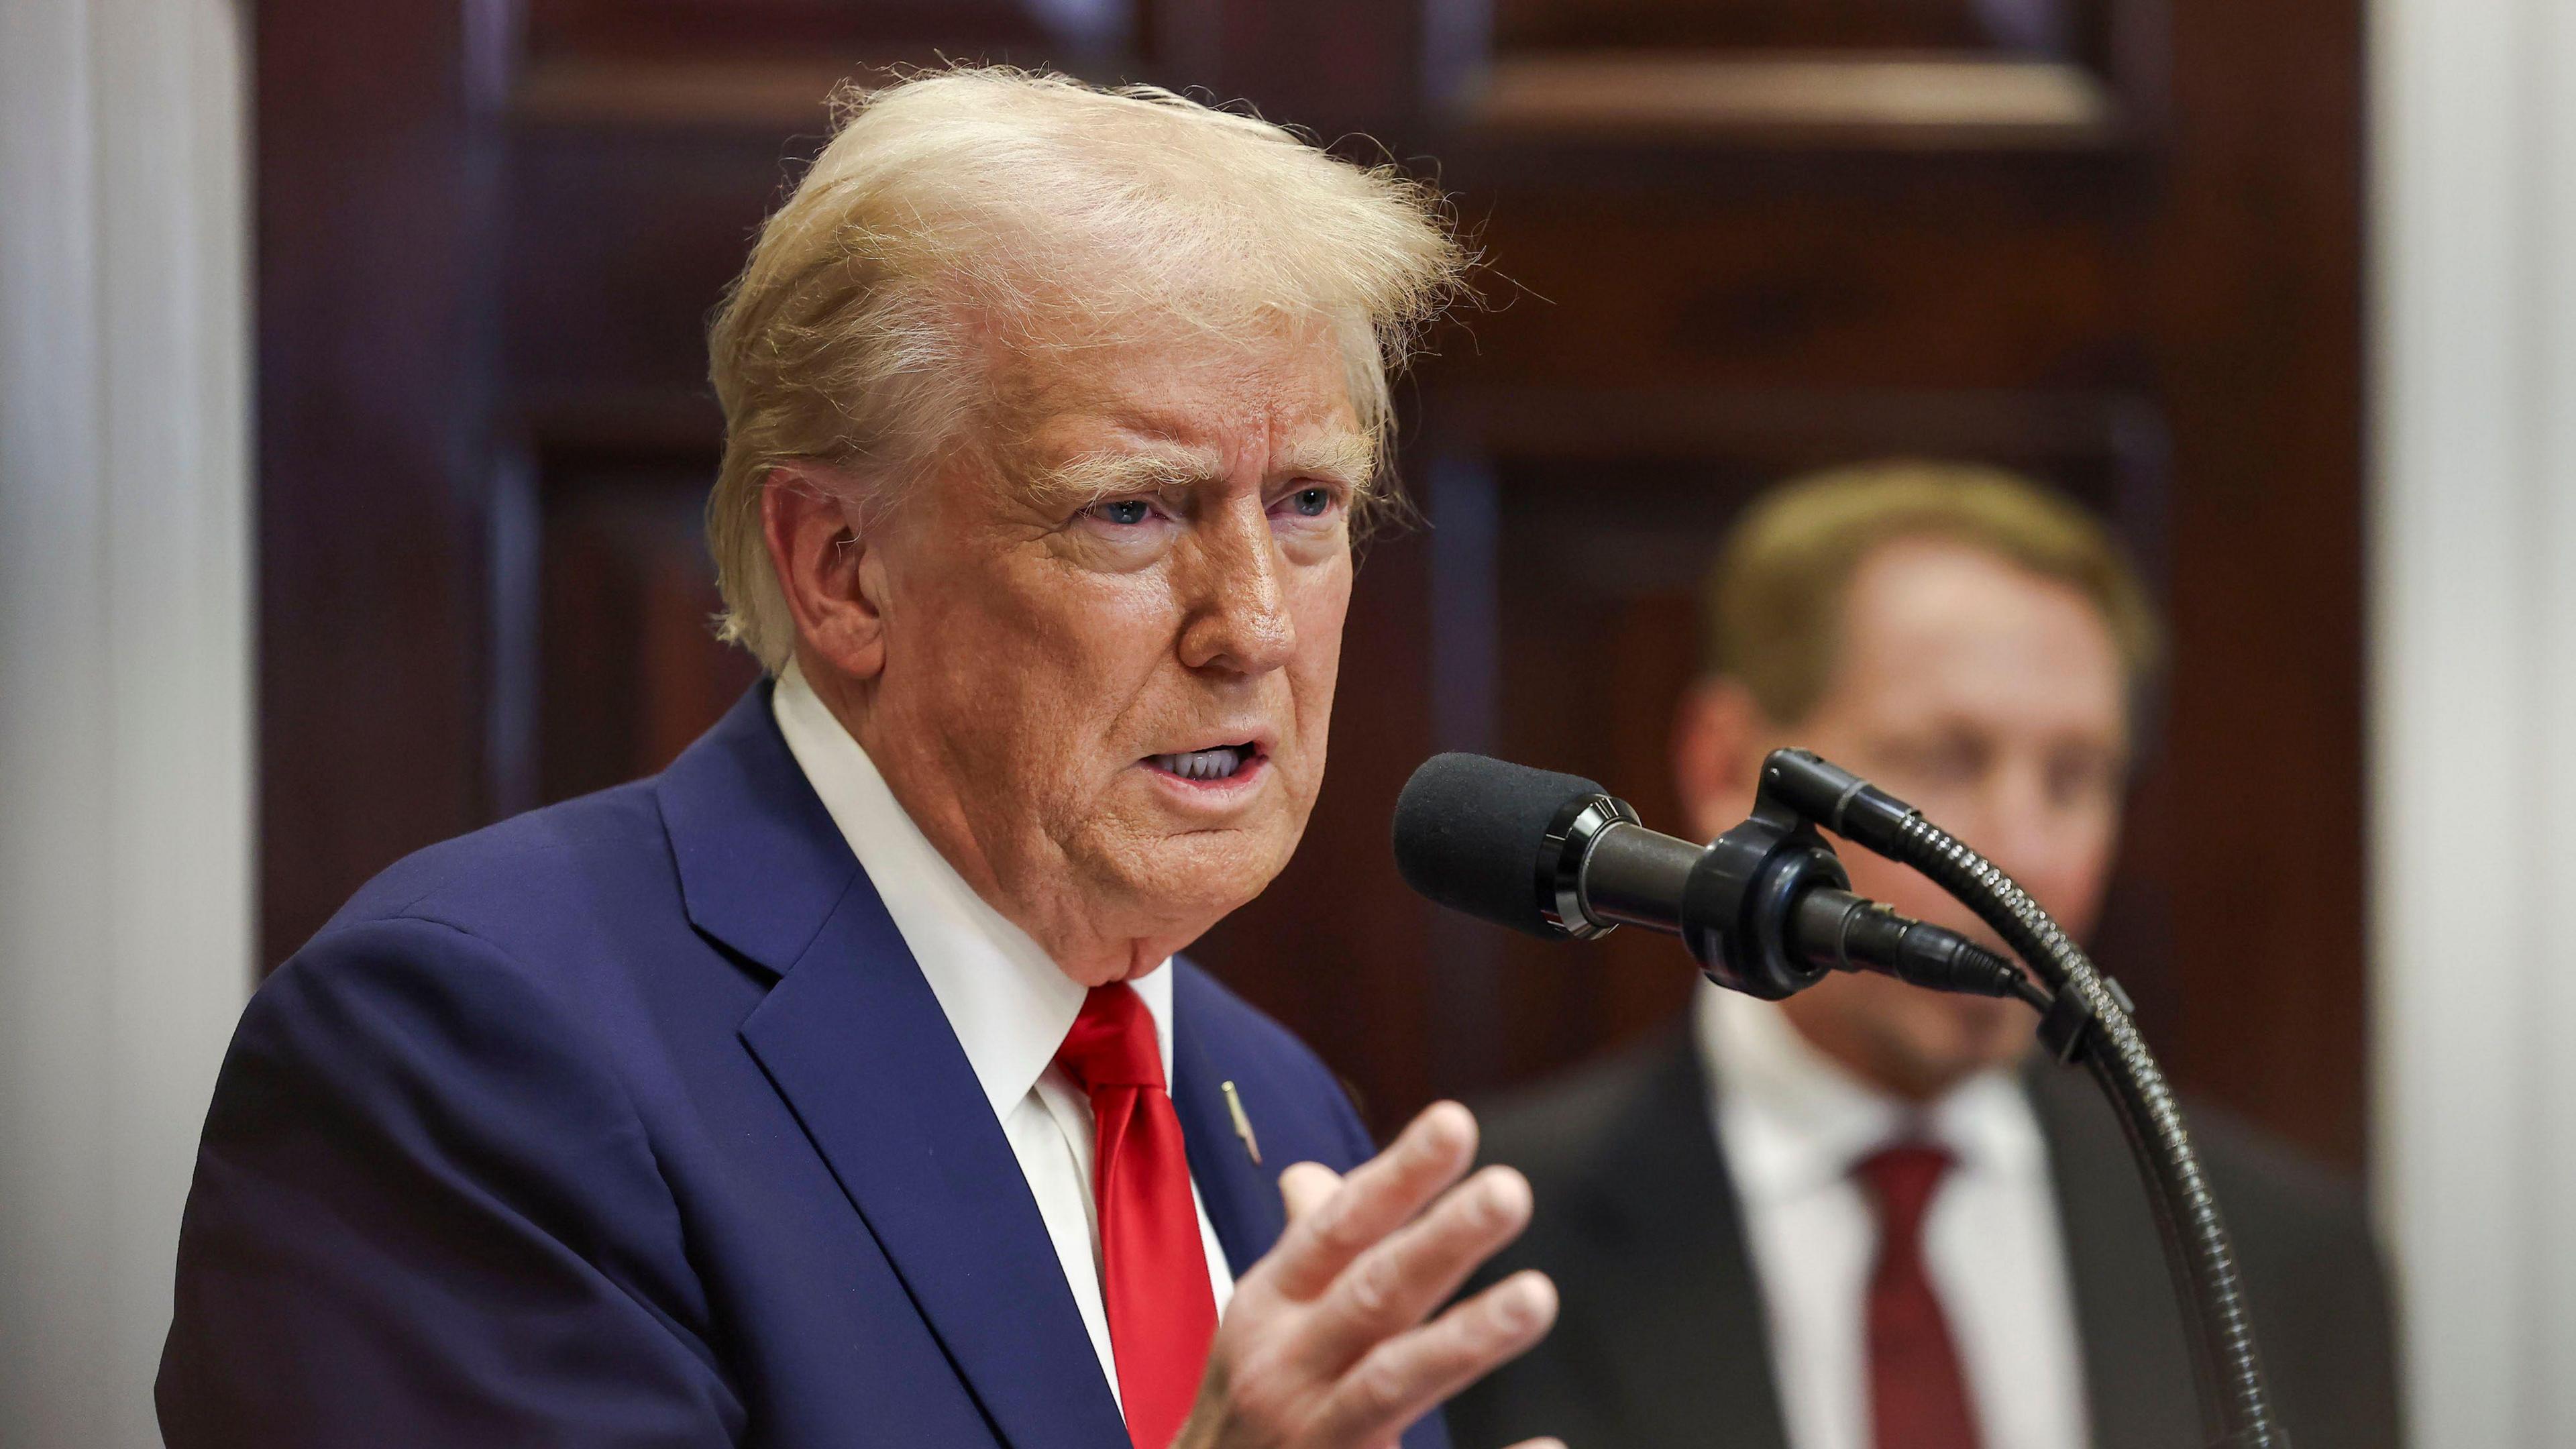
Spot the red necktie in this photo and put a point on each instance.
(1154, 1275)
(1918, 1397)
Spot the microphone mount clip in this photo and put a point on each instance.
(1739, 912)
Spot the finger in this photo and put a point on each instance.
(1377, 1197)
(1401, 1379)
(1307, 1186)
(1392, 1286)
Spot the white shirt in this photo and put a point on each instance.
(1006, 1000)
(1794, 1123)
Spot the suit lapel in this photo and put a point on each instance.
(1681, 1327)
(1242, 1198)
(858, 1046)
(1680, 1315)
(2137, 1379)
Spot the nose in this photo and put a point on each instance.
(1237, 619)
(2034, 839)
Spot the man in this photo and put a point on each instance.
(839, 1086)
(1863, 1218)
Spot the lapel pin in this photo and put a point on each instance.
(1242, 1123)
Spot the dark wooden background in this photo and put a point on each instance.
(2115, 242)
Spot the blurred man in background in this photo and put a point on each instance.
(1865, 1217)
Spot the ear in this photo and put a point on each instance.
(831, 571)
(1717, 749)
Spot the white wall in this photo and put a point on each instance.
(2474, 709)
(125, 677)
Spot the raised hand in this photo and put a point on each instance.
(1325, 1345)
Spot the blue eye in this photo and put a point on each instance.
(1312, 502)
(1125, 512)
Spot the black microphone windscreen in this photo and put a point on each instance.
(1469, 830)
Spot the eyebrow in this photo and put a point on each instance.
(1109, 473)
(1345, 458)
(1341, 457)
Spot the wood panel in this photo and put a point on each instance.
(1522, 25)
(2253, 285)
(870, 33)
(374, 216)
(626, 671)
(1927, 103)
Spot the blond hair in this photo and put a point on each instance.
(964, 215)
(1774, 599)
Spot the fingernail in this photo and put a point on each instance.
(1530, 1300)
(1442, 1129)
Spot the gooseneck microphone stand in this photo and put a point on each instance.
(1767, 910)
(2085, 1018)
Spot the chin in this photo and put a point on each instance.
(1991, 1041)
(1945, 1040)
(1194, 879)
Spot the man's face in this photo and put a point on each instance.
(1993, 700)
(1111, 640)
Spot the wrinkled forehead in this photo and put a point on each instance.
(1166, 402)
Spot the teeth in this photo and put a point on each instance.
(1216, 764)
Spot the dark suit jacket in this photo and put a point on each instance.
(632, 1122)
(1662, 1339)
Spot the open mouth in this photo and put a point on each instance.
(1224, 762)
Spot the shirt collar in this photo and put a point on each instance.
(1795, 1119)
(1008, 1002)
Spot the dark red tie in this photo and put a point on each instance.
(1918, 1398)
(1154, 1275)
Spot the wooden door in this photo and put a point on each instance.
(2115, 242)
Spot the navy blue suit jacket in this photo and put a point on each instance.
(632, 1122)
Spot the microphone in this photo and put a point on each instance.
(1766, 908)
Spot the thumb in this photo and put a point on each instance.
(1307, 1186)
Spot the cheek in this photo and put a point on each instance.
(1077, 628)
(1981, 1028)
(2073, 887)
(1313, 675)
(1883, 880)
(1322, 607)
(1073, 650)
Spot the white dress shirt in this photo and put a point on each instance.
(1794, 1123)
(1008, 1003)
